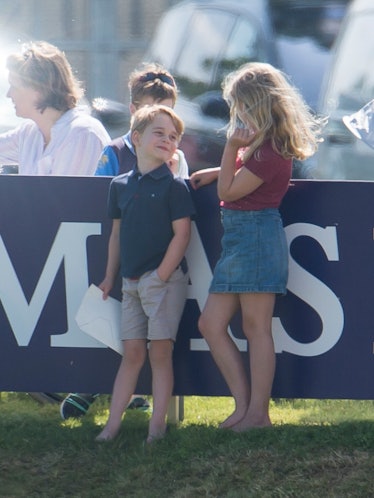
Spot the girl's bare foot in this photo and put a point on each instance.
(248, 423)
(232, 419)
(155, 431)
(151, 438)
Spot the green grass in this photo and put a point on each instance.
(315, 449)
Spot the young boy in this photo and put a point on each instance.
(150, 84)
(151, 212)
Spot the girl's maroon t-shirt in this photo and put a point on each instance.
(274, 170)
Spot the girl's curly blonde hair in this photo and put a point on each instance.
(264, 99)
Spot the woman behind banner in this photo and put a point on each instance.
(58, 137)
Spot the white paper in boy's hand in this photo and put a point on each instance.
(100, 319)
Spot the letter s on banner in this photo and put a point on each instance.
(313, 292)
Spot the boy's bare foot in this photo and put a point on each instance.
(106, 435)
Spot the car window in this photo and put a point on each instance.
(352, 83)
(198, 59)
(222, 41)
(244, 45)
(168, 37)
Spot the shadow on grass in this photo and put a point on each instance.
(43, 456)
(38, 427)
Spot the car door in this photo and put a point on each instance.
(200, 43)
(350, 85)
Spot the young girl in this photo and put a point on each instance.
(270, 125)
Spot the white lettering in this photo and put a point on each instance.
(315, 293)
(69, 247)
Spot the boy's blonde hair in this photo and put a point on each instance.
(44, 68)
(146, 115)
(152, 80)
(264, 97)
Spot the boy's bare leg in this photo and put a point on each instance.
(160, 356)
(134, 354)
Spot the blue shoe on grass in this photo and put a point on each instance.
(139, 404)
(76, 405)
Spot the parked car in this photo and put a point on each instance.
(210, 38)
(200, 42)
(349, 85)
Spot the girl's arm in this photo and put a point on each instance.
(113, 262)
(203, 177)
(176, 249)
(234, 184)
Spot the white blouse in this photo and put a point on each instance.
(77, 140)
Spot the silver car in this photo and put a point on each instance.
(201, 41)
(348, 87)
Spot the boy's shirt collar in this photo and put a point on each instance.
(157, 173)
(128, 143)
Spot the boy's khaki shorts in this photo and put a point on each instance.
(151, 308)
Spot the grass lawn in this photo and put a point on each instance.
(315, 449)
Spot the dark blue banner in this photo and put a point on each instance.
(53, 245)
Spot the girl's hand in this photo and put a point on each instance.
(242, 137)
(203, 177)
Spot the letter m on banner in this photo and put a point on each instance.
(69, 248)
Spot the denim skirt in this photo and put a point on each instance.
(254, 254)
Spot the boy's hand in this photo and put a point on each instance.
(163, 278)
(106, 286)
(174, 163)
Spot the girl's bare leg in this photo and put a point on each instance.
(160, 356)
(213, 324)
(257, 313)
(134, 354)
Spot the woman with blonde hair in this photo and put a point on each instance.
(270, 125)
(58, 137)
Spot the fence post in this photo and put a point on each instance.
(176, 409)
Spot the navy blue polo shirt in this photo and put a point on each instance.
(147, 205)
